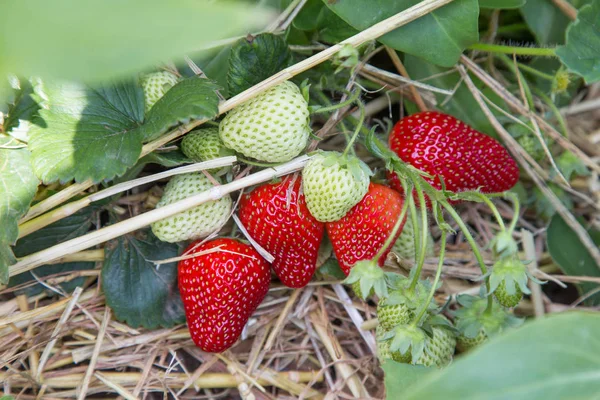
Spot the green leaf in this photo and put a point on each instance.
(65, 229)
(333, 29)
(217, 69)
(438, 37)
(501, 4)
(193, 97)
(93, 41)
(581, 53)
(18, 185)
(167, 159)
(91, 133)
(400, 377)
(549, 358)
(7, 258)
(306, 20)
(21, 113)
(139, 292)
(255, 59)
(547, 22)
(462, 104)
(571, 256)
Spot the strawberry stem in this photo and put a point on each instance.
(492, 207)
(517, 209)
(469, 238)
(351, 99)
(520, 51)
(423, 230)
(359, 125)
(438, 273)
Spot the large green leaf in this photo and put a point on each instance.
(571, 256)
(193, 97)
(551, 358)
(439, 37)
(581, 54)
(22, 111)
(18, 185)
(90, 132)
(501, 4)
(139, 292)
(462, 104)
(547, 22)
(306, 20)
(400, 377)
(254, 60)
(96, 40)
(97, 133)
(65, 229)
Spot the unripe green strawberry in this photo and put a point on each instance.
(383, 346)
(333, 184)
(155, 86)
(391, 316)
(271, 127)
(404, 246)
(465, 343)
(197, 222)
(505, 299)
(204, 145)
(438, 350)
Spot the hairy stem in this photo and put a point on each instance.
(337, 106)
(359, 125)
(423, 231)
(438, 273)
(520, 51)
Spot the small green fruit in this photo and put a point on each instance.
(155, 86)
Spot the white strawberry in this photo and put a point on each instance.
(196, 223)
(334, 183)
(271, 127)
(155, 86)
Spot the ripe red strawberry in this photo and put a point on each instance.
(441, 145)
(276, 216)
(221, 290)
(364, 229)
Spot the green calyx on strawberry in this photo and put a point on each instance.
(361, 234)
(475, 322)
(333, 183)
(503, 245)
(221, 287)
(196, 223)
(439, 346)
(405, 247)
(449, 150)
(367, 279)
(508, 281)
(204, 145)
(272, 127)
(155, 85)
(402, 303)
(276, 217)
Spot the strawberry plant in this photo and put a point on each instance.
(300, 199)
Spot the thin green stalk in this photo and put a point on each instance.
(438, 273)
(559, 117)
(516, 211)
(535, 72)
(473, 245)
(359, 125)
(337, 106)
(423, 247)
(510, 65)
(494, 209)
(389, 240)
(520, 51)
